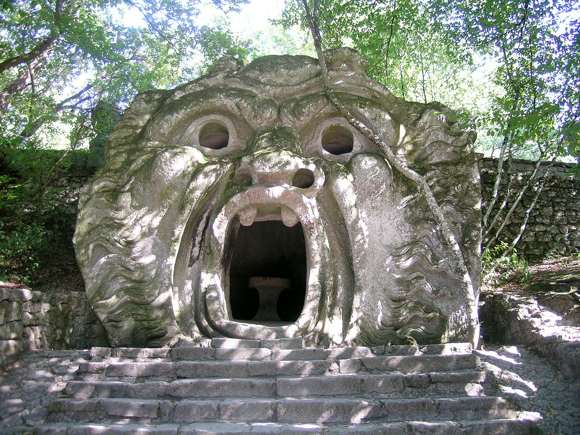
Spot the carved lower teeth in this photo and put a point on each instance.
(289, 218)
(248, 215)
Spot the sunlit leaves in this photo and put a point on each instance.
(116, 47)
(436, 50)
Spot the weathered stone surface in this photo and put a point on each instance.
(246, 172)
(191, 411)
(516, 319)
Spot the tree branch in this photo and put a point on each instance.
(498, 177)
(153, 25)
(40, 48)
(391, 32)
(32, 55)
(519, 197)
(506, 197)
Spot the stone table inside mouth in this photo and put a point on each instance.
(269, 290)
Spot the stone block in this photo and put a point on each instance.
(100, 352)
(319, 385)
(328, 410)
(10, 311)
(35, 337)
(126, 429)
(140, 369)
(12, 331)
(92, 367)
(350, 365)
(243, 354)
(302, 368)
(409, 409)
(130, 408)
(282, 343)
(193, 353)
(140, 353)
(233, 343)
(15, 294)
(352, 352)
(458, 377)
(57, 429)
(215, 428)
(87, 390)
(33, 307)
(9, 348)
(418, 380)
(300, 354)
(198, 388)
(72, 407)
(382, 384)
(261, 368)
(222, 369)
(247, 410)
(192, 411)
(471, 408)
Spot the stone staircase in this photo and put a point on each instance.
(274, 386)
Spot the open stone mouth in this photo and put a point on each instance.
(266, 265)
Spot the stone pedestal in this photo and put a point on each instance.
(269, 289)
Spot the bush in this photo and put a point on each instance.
(501, 264)
(19, 251)
(38, 202)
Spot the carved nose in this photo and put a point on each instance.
(281, 168)
(277, 162)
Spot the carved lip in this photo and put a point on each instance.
(270, 204)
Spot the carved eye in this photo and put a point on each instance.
(214, 135)
(337, 140)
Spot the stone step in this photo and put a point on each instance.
(347, 410)
(264, 354)
(523, 425)
(392, 384)
(280, 343)
(240, 369)
(281, 349)
(454, 383)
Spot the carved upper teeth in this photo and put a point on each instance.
(248, 215)
(289, 218)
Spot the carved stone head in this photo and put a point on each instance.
(242, 204)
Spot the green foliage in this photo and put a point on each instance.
(535, 43)
(67, 70)
(19, 251)
(509, 65)
(219, 42)
(38, 197)
(502, 264)
(61, 58)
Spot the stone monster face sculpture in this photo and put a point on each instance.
(243, 205)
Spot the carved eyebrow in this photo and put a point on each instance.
(238, 103)
(300, 110)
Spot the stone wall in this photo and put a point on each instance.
(22, 321)
(553, 224)
(33, 320)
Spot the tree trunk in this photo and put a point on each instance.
(498, 176)
(519, 197)
(506, 197)
(524, 224)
